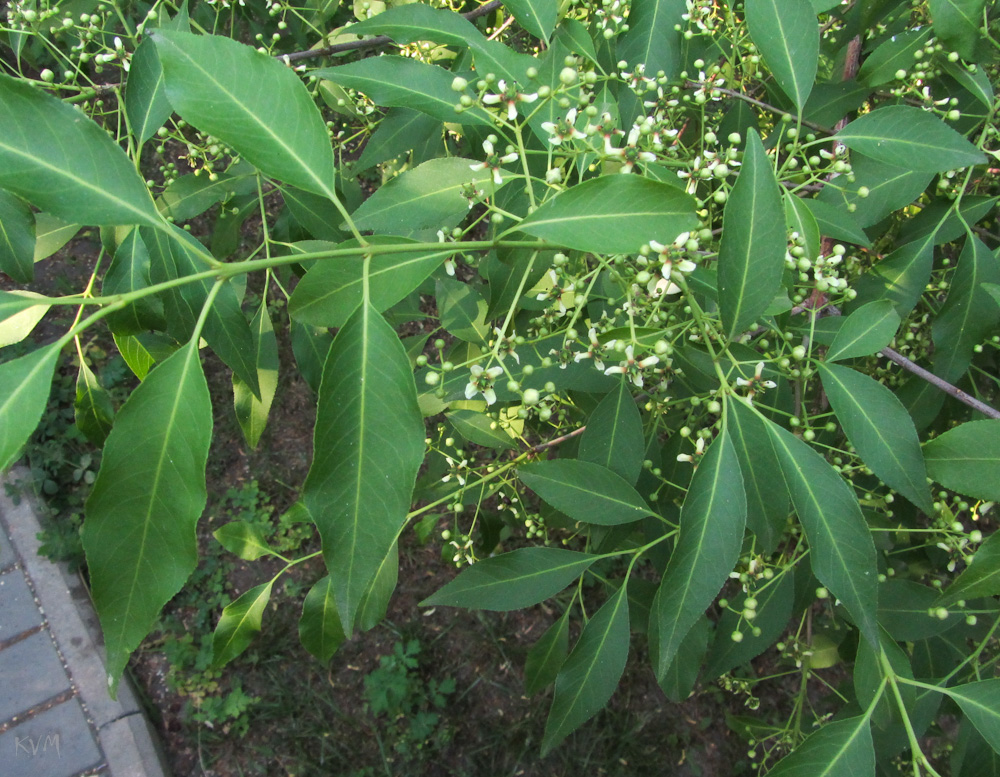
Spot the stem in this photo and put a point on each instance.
(940, 383)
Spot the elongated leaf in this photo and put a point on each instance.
(547, 656)
(92, 407)
(332, 290)
(945, 222)
(250, 101)
(252, 412)
(867, 330)
(191, 195)
(651, 39)
(613, 214)
(957, 24)
(243, 540)
(62, 162)
(837, 222)
(967, 459)
(800, 219)
(881, 430)
(368, 445)
(130, 271)
(842, 552)
(981, 704)
(24, 390)
(976, 82)
(767, 506)
(892, 55)
(51, 234)
(139, 534)
(536, 16)
(614, 437)
(20, 312)
(319, 627)
(310, 346)
(512, 581)
(591, 672)
(712, 521)
(904, 611)
(416, 22)
(437, 193)
(968, 314)
(462, 310)
(240, 621)
(981, 577)
(909, 137)
(402, 82)
(315, 213)
(901, 277)
(843, 747)
(754, 243)
(679, 678)
(402, 129)
(479, 429)
(375, 602)
(585, 491)
(888, 189)
(786, 33)
(146, 103)
(17, 238)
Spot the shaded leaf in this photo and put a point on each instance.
(130, 271)
(981, 704)
(92, 407)
(967, 459)
(479, 429)
(893, 54)
(547, 656)
(901, 277)
(402, 129)
(536, 16)
(613, 214)
(786, 33)
(240, 621)
(679, 678)
(584, 491)
(904, 611)
(139, 534)
(614, 437)
(310, 346)
(17, 238)
(243, 540)
(867, 330)
(957, 23)
(146, 104)
(25, 384)
(368, 445)
(754, 242)
(319, 627)
(591, 673)
(512, 581)
(981, 577)
(843, 747)
(651, 39)
(252, 412)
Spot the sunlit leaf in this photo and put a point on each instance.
(25, 383)
(20, 312)
(146, 103)
(240, 622)
(843, 747)
(252, 412)
(614, 437)
(967, 459)
(585, 491)
(17, 238)
(786, 33)
(92, 407)
(243, 540)
(319, 627)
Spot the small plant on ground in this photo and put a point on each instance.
(681, 315)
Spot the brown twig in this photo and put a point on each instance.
(753, 101)
(940, 383)
(558, 440)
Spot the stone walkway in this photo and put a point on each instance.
(56, 718)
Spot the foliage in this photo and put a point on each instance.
(689, 309)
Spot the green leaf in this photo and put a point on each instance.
(981, 704)
(895, 53)
(51, 234)
(767, 506)
(881, 430)
(478, 429)
(20, 312)
(402, 82)
(240, 621)
(889, 189)
(375, 602)
(651, 39)
(536, 16)
(402, 129)
(92, 407)
(837, 223)
(319, 627)
(418, 22)
(512, 581)
(901, 277)
(25, 384)
(786, 33)
(867, 330)
(981, 577)
(191, 195)
(904, 611)
(142, 351)
(800, 219)
(591, 672)
(129, 271)
(943, 222)
(317, 215)
(436, 194)
(546, 657)
(332, 290)
(711, 534)
(842, 553)
(310, 346)
(614, 437)
(957, 23)
(17, 238)
(613, 214)
(843, 747)
(967, 459)
(139, 534)
(679, 678)
(754, 242)
(968, 314)
(252, 412)
(368, 446)
(586, 492)
(146, 104)
(909, 137)
(62, 162)
(462, 310)
(243, 540)
(251, 102)
(976, 82)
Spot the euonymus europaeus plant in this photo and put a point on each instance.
(699, 304)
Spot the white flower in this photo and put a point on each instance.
(481, 382)
(564, 129)
(595, 351)
(632, 368)
(630, 152)
(669, 264)
(755, 383)
(509, 95)
(699, 449)
(493, 161)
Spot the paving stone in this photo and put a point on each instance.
(6, 551)
(18, 611)
(33, 673)
(55, 743)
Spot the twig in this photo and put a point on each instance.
(558, 440)
(940, 383)
(381, 40)
(753, 101)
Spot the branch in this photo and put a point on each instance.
(937, 382)
(758, 103)
(381, 40)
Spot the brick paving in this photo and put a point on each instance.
(56, 719)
